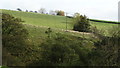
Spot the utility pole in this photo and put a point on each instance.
(66, 21)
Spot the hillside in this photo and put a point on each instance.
(40, 19)
(37, 24)
(58, 22)
(40, 45)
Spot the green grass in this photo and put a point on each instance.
(106, 27)
(37, 24)
(37, 34)
(49, 20)
(41, 19)
(103, 26)
(54, 22)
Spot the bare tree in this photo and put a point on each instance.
(42, 10)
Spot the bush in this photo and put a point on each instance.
(61, 13)
(56, 53)
(13, 33)
(14, 37)
(62, 51)
(81, 23)
(107, 50)
(10, 60)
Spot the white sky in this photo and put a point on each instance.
(96, 9)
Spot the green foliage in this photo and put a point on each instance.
(107, 49)
(62, 51)
(14, 39)
(106, 27)
(4, 67)
(115, 31)
(48, 32)
(65, 49)
(97, 33)
(81, 23)
(13, 33)
(56, 53)
(10, 60)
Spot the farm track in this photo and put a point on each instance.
(72, 31)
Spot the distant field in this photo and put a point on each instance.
(40, 19)
(103, 21)
(103, 26)
(54, 22)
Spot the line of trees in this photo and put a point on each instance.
(43, 11)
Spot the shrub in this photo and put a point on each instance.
(62, 51)
(14, 39)
(81, 23)
(97, 33)
(107, 50)
(13, 33)
(48, 32)
(56, 53)
(61, 13)
(10, 60)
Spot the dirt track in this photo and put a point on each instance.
(72, 31)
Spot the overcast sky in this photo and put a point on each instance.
(97, 9)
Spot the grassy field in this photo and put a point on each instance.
(40, 19)
(106, 27)
(58, 22)
(37, 34)
(55, 22)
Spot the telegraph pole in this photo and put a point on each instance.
(66, 21)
